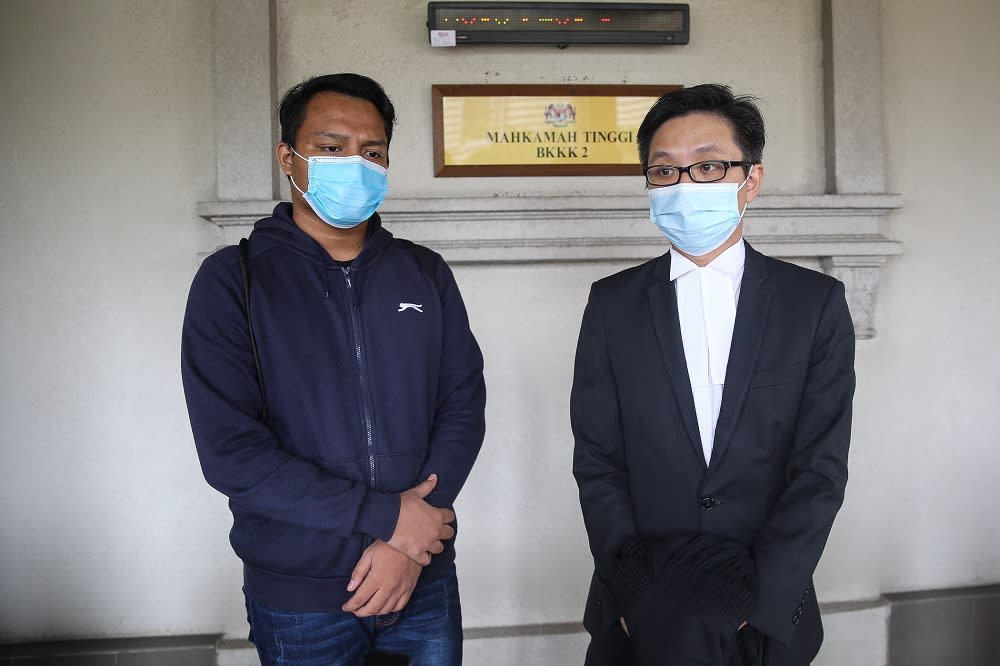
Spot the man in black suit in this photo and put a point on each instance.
(711, 408)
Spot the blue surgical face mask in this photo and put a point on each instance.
(697, 217)
(343, 191)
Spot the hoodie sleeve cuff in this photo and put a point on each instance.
(378, 515)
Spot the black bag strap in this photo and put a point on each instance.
(245, 270)
(421, 258)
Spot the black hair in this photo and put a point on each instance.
(740, 111)
(292, 110)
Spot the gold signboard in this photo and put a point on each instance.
(539, 130)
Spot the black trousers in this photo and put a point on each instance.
(748, 648)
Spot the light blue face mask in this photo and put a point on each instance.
(344, 191)
(697, 217)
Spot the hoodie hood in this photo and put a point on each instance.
(280, 229)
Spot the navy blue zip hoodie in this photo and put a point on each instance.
(373, 381)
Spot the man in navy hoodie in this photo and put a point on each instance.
(336, 397)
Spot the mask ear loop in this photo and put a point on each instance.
(292, 180)
(745, 181)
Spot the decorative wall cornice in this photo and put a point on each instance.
(841, 232)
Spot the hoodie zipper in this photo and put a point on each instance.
(362, 376)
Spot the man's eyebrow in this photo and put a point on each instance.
(343, 137)
(707, 148)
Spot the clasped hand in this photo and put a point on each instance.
(421, 528)
(382, 581)
(387, 573)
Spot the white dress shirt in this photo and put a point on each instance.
(706, 305)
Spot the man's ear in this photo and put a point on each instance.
(753, 182)
(283, 153)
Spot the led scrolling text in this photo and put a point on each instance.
(496, 20)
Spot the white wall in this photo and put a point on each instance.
(107, 120)
(523, 554)
(922, 509)
(107, 130)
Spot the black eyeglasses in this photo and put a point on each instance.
(709, 171)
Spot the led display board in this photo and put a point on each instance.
(559, 22)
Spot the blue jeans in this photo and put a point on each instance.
(428, 631)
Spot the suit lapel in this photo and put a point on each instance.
(666, 322)
(748, 331)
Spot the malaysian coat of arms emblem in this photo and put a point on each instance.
(560, 114)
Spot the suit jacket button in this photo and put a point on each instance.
(707, 503)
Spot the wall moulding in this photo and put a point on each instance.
(839, 233)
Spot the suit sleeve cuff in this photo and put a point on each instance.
(378, 515)
(776, 625)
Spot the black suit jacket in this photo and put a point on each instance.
(779, 461)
